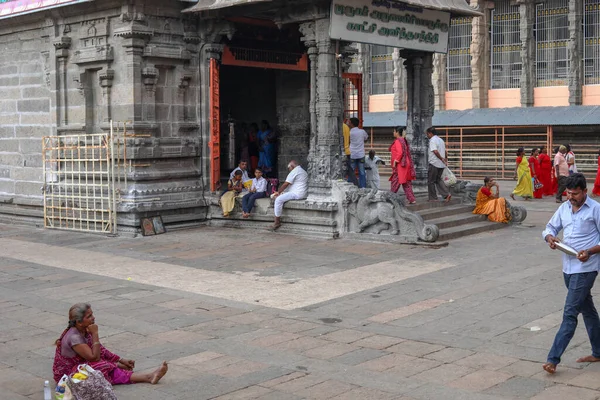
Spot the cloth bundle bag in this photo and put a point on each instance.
(448, 177)
(95, 387)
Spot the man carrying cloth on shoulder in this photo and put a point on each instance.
(579, 219)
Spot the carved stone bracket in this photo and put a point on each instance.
(150, 78)
(106, 77)
(213, 50)
(373, 212)
(184, 81)
(62, 46)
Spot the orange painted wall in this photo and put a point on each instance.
(591, 95)
(459, 100)
(551, 96)
(381, 102)
(504, 98)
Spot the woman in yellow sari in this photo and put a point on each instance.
(523, 176)
(234, 188)
(490, 204)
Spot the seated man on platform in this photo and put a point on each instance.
(243, 166)
(296, 185)
(257, 190)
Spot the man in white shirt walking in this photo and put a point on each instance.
(296, 185)
(358, 137)
(437, 163)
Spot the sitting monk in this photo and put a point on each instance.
(234, 188)
(490, 204)
(80, 344)
(296, 185)
(257, 190)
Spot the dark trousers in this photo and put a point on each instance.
(249, 199)
(434, 181)
(562, 186)
(351, 172)
(579, 301)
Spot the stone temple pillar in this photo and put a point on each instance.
(575, 50)
(420, 107)
(480, 57)
(527, 11)
(440, 80)
(399, 81)
(324, 159)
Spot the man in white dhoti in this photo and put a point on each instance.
(372, 163)
(295, 187)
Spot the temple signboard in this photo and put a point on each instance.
(390, 23)
(12, 8)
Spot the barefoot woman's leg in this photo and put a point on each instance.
(150, 377)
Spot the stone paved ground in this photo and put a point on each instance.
(246, 315)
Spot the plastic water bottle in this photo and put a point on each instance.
(47, 392)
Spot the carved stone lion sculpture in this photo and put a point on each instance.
(385, 211)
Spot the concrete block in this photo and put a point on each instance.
(5, 173)
(35, 92)
(29, 146)
(37, 105)
(9, 70)
(33, 131)
(31, 68)
(13, 159)
(32, 160)
(7, 186)
(32, 80)
(27, 174)
(9, 81)
(28, 188)
(9, 145)
(36, 119)
(8, 106)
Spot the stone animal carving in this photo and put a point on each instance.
(369, 210)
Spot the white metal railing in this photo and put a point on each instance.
(82, 176)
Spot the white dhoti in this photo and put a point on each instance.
(282, 198)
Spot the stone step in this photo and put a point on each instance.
(424, 204)
(448, 210)
(455, 220)
(469, 229)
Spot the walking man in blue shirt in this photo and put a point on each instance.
(579, 218)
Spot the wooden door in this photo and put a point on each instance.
(215, 127)
(353, 97)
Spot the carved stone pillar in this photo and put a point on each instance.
(527, 11)
(324, 163)
(308, 37)
(183, 97)
(149, 79)
(364, 65)
(440, 80)
(106, 77)
(399, 81)
(480, 57)
(62, 46)
(575, 50)
(420, 107)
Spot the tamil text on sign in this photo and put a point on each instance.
(390, 23)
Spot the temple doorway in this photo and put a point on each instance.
(248, 97)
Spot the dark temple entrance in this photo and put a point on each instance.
(263, 76)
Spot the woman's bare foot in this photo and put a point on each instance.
(512, 196)
(549, 368)
(588, 359)
(159, 373)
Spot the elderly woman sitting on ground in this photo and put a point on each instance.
(491, 204)
(80, 344)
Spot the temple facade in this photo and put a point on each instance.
(182, 83)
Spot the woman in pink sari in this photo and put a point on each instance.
(80, 344)
(402, 166)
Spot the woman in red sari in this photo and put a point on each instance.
(596, 190)
(534, 169)
(402, 166)
(80, 344)
(545, 172)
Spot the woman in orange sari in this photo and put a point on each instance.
(490, 204)
(545, 172)
(534, 169)
(596, 190)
